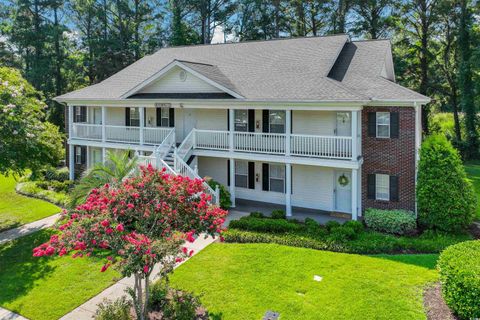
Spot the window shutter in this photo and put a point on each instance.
(228, 119)
(228, 172)
(291, 121)
(83, 155)
(158, 112)
(171, 117)
(372, 124)
(371, 186)
(251, 120)
(265, 120)
(394, 125)
(265, 177)
(251, 175)
(127, 117)
(393, 188)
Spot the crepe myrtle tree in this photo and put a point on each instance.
(141, 222)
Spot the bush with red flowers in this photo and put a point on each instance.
(142, 222)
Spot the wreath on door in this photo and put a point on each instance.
(343, 180)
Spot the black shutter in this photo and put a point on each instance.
(265, 177)
(266, 121)
(83, 112)
(127, 117)
(171, 117)
(372, 124)
(228, 120)
(158, 112)
(251, 175)
(291, 121)
(83, 155)
(394, 125)
(228, 172)
(393, 188)
(371, 188)
(251, 120)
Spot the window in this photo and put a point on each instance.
(277, 177)
(134, 117)
(383, 124)
(382, 187)
(78, 155)
(164, 117)
(241, 120)
(277, 121)
(241, 174)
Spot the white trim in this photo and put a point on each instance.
(111, 145)
(383, 124)
(232, 182)
(179, 64)
(354, 194)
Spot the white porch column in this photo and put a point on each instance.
(288, 131)
(232, 181)
(354, 194)
(288, 189)
(104, 129)
(88, 157)
(70, 121)
(71, 161)
(231, 126)
(354, 122)
(142, 123)
(104, 154)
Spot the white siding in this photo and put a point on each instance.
(115, 116)
(215, 168)
(171, 83)
(212, 119)
(314, 122)
(312, 187)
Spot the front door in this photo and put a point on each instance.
(97, 115)
(344, 124)
(188, 121)
(343, 191)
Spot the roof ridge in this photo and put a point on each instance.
(193, 62)
(348, 89)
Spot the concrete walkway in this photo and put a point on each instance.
(27, 229)
(9, 315)
(87, 310)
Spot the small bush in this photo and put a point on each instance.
(264, 225)
(357, 226)
(446, 199)
(311, 225)
(459, 268)
(61, 174)
(341, 234)
(256, 214)
(32, 189)
(225, 202)
(116, 310)
(390, 221)
(331, 224)
(279, 214)
(158, 295)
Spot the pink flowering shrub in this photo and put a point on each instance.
(143, 221)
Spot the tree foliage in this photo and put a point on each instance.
(26, 141)
(445, 198)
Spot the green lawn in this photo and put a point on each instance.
(47, 287)
(16, 209)
(243, 281)
(473, 172)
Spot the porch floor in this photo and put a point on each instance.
(244, 207)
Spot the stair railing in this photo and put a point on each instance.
(164, 148)
(187, 145)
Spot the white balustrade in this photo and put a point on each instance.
(211, 139)
(153, 135)
(273, 143)
(87, 131)
(122, 134)
(321, 146)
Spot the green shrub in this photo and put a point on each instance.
(32, 189)
(60, 174)
(256, 214)
(311, 225)
(341, 234)
(158, 295)
(279, 214)
(331, 224)
(116, 310)
(225, 201)
(390, 221)
(357, 226)
(264, 225)
(446, 199)
(459, 268)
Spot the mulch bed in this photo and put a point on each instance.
(435, 306)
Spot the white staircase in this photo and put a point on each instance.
(168, 156)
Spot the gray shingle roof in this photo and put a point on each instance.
(280, 70)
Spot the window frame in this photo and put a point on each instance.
(78, 155)
(388, 125)
(163, 112)
(272, 177)
(241, 174)
(271, 114)
(134, 110)
(386, 187)
(242, 122)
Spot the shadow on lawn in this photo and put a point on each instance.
(19, 269)
(428, 261)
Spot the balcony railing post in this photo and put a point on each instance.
(231, 127)
(142, 124)
(354, 135)
(104, 128)
(288, 131)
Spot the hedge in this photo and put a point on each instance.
(390, 221)
(459, 268)
(265, 225)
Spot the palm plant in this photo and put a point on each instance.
(116, 167)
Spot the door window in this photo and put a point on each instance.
(241, 120)
(277, 121)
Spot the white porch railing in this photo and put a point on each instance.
(187, 145)
(333, 147)
(122, 134)
(156, 135)
(155, 162)
(87, 131)
(167, 144)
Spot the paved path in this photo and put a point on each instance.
(9, 315)
(87, 310)
(27, 229)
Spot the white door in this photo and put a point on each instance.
(344, 124)
(343, 191)
(188, 121)
(96, 156)
(97, 115)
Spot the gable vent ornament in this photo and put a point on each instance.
(183, 75)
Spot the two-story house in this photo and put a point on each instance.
(308, 123)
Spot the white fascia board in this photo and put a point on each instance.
(331, 163)
(396, 103)
(179, 64)
(111, 145)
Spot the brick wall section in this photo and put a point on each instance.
(392, 157)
